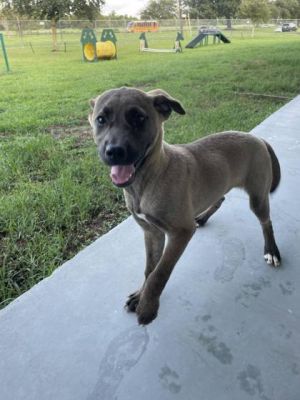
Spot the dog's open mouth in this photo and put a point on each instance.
(122, 175)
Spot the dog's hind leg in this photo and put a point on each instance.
(203, 218)
(260, 207)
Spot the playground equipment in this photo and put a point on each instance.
(176, 49)
(202, 38)
(4, 52)
(92, 50)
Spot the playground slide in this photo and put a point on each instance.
(193, 43)
(199, 38)
(223, 37)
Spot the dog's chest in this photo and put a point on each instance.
(133, 204)
(142, 216)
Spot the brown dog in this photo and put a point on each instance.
(170, 189)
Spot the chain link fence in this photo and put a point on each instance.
(67, 30)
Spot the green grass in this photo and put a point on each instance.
(55, 196)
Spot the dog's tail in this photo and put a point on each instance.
(275, 168)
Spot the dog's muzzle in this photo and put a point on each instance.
(123, 175)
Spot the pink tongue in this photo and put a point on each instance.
(121, 173)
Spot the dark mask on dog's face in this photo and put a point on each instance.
(125, 123)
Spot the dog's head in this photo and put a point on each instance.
(126, 124)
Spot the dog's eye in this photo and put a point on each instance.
(141, 119)
(101, 120)
(136, 119)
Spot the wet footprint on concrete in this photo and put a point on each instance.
(252, 290)
(286, 288)
(251, 381)
(169, 379)
(123, 353)
(285, 332)
(218, 349)
(295, 369)
(233, 257)
(209, 340)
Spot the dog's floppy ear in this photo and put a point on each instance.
(92, 103)
(164, 103)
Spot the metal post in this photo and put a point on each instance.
(189, 23)
(4, 52)
(20, 30)
(180, 16)
(60, 31)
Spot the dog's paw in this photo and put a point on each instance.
(147, 312)
(201, 221)
(203, 218)
(146, 316)
(272, 255)
(272, 259)
(133, 301)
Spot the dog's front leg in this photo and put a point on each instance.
(154, 245)
(148, 304)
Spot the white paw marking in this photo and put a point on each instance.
(272, 260)
(276, 261)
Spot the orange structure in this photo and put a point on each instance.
(142, 26)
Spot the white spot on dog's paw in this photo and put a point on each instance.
(272, 260)
(268, 258)
(276, 261)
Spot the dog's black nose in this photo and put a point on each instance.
(115, 153)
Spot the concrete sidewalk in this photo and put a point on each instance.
(228, 325)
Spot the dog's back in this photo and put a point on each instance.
(242, 159)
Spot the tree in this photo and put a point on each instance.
(288, 9)
(114, 16)
(227, 9)
(87, 9)
(202, 9)
(53, 10)
(257, 10)
(274, 10)
(160, 9)
(213, 9)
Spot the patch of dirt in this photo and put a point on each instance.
(82, 133)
